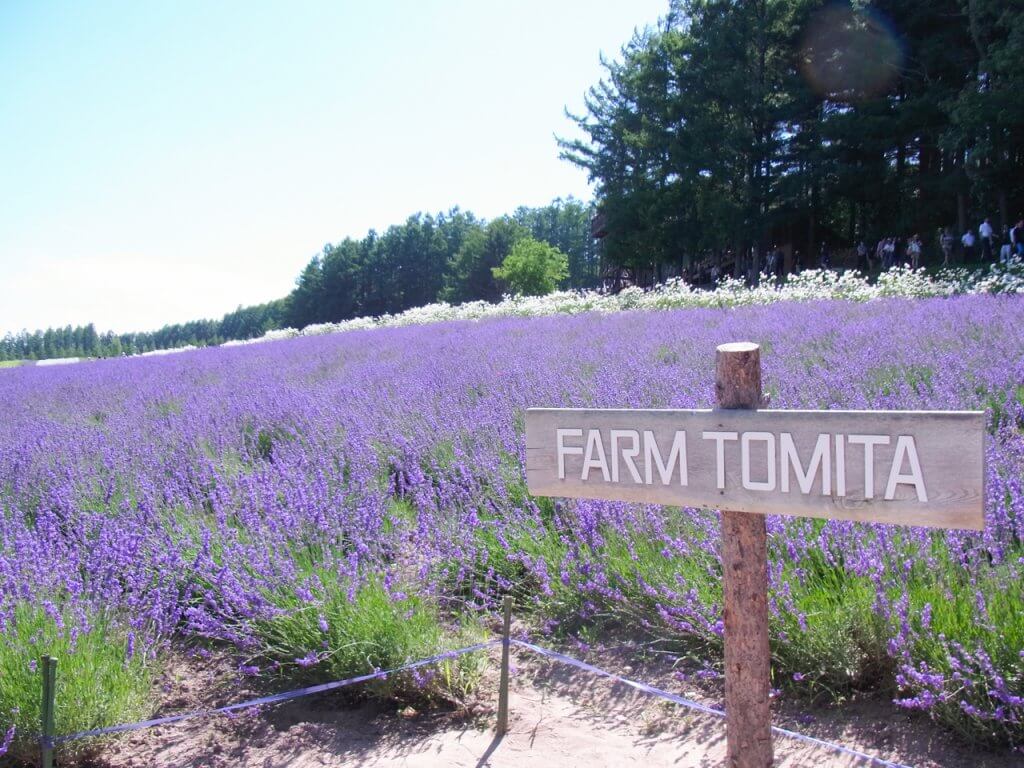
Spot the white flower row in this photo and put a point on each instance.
(168, 351)
(810, 285)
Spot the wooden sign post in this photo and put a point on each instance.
(748, 724)
(922, 468)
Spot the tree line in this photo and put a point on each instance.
(734, 125)
(85, 341)
(448, 257)
(452, 256)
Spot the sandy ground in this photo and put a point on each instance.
(559, 717)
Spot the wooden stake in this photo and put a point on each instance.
(745, 587)
(47, 714)
(506, 635)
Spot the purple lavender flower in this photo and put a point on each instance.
(6, 743)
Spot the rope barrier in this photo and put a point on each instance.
(650, 689)
(560, 657)
(643, 687)
(272, 699)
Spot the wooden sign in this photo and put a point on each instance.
(922, 468)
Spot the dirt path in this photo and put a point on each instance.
(559, 717)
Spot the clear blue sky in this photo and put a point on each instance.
(161, 162)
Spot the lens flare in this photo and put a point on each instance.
(850, 53)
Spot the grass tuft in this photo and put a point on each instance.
(342, 633)
(98, 685)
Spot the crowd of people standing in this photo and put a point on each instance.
(974, 247)
(982, 246)
(986, 245)
(890, 251)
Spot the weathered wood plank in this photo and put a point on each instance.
(722, 461)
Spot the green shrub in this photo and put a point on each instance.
(98, 684)
(969, 629)
(828, 633)
(338, 635)
(532, 268)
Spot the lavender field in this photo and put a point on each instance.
(327, 504)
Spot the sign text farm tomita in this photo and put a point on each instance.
(906, 467)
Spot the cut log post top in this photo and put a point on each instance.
(738, 375)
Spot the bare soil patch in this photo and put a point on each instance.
(560, 716)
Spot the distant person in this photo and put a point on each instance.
(914, 251)
(1017, 238)
(880, 253)
(967, 241)
(986, 235)
(769, 262)
(889, 253)
(946, 243)
(862, 256)
(754, 267)
(824, 256)
(1006, 249)
(730, 258)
